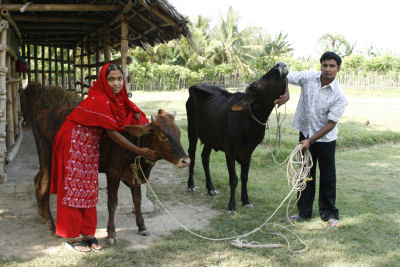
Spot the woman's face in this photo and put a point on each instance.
(115, 81)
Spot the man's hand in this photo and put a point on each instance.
(282, 99)
(305, 144)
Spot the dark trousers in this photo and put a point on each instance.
(324, 154)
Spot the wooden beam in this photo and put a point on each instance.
(62, 7)
(54, 32)
(124, 46)
(78, 27)
(158, 14)
(63, 19)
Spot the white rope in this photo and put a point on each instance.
(296, 178)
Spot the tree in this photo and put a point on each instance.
(336, 43)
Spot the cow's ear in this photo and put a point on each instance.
(240, 106)
(138, 130)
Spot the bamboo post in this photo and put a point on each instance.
(124, 46)
(62, 67)
(43, 75)
(28, 52)
(82, 68)
(9, 107)
(74, 56)
(97, 58)
(49, 62)
(14, 93)
(89, 59)
(69, 68)
(36, 63)
(106, 43)
(56, 64)
(3, 99)
(23, 56)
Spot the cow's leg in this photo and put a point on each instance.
(245, 166)
(42, 184)
(233, 181)
(205, 157)
(192, 145)
(137, 202)
(112, 203)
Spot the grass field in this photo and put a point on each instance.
(368, 197)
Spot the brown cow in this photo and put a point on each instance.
(162, 135)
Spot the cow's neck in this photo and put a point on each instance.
(260, 112)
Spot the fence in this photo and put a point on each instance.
(346, 80)
(369, 81)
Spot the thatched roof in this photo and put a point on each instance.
(67, 23)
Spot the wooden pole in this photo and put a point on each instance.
(3, 99)
(49, 62)
(74, 56)
(36, 63)
(23, 46)
(89, 59)
(9, 107)
(62, 7)
(69, 68)
(97, 58)
(14, 93)
(43, 67)
(82, 68)
(28, 52)
(62, 67)
(15, 98)
(124, 47)
(107, 42)
(56, 64)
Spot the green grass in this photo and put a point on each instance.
(367, 196)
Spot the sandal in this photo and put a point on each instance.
(78, 245)
(295, 218)
(94, 243)
(334, 223)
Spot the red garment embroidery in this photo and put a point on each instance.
(81, 170)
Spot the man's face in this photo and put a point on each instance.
(329, 69)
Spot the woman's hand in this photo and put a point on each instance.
(147, 153)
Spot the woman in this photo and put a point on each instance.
(75, 163)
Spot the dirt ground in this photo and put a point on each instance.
(23, 235)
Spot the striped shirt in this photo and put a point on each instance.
(317, 104)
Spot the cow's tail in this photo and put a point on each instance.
(192, 135)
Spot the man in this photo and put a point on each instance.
(320, 107)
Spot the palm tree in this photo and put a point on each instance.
(336, 43)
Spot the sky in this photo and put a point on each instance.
(363, 23)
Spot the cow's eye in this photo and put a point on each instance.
(163, 137)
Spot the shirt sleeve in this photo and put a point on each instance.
(296, 77)
(337, 109)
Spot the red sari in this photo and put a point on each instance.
(75, 157)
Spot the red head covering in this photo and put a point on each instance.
(105, 109)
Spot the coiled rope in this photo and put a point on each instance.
(299, 165)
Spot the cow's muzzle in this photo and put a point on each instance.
(183, 162)
(283, 69)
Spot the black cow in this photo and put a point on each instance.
(232, 123)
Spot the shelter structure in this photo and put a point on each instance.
(65, 43)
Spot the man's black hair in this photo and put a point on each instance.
(113, 66)
(331, 55)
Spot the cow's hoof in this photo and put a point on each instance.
(248, 206)
(144, 233)
(231, 212)
(191, 189)
(111, 240)
(212, 192)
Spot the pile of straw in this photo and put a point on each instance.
(36, 97)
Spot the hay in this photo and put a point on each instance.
(36, 97)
